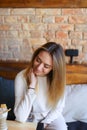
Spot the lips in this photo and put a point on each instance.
(36, 71)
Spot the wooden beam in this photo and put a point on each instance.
(43, 3)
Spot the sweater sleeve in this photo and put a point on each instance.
(24, 99)
(55, 112)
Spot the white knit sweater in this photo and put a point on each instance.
(28, 101)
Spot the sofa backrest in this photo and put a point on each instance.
(7, 95)
(8, 71)
(75, 74)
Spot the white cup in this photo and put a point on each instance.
(3, 123)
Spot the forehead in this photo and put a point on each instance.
(45, 57)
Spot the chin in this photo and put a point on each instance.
(38, 74)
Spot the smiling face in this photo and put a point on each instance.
(42, 64)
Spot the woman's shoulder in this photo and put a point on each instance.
(20, 74)
(20, 82)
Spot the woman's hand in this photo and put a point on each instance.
(45, 126)
(33, 79)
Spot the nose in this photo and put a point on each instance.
(40, 67)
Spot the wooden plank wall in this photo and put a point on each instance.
(44, 3)
(75, 73)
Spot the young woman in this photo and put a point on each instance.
(39, 89)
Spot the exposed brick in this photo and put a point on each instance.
(23, 34)
(3, 41)
(33, 26)
(22, 19)
(22, 30)
(2, 34)
(48, 11)
(35, 19)
(8, 27)
(37, 42)
(85, 48)
(85, 58)
(36, 34)
(61, 35)
(48, 19)
(27, 52)
(4, 11)
(61, 19)
(62, 27)
(53, 27)
(79, 42)
(49, 34)
(66, 27)
(81, 27)
(10, 19)
(66, 43)
(73, 11)
(23, 11)
(4, 27)
(13, 48)
(5, 55)
(81, 58)
(85, 35)
(28, 26)
(75, 35)
(78, 19)
(12, 34)
(1, 19)
(3, 47)
(13, 41)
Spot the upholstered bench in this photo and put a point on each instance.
(7, 95)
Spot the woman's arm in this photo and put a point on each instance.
(24, 98)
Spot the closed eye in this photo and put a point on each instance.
(38, 60)
(47, 66)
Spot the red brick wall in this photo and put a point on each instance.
(23, 30)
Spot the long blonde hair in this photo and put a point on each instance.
(57, 76)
